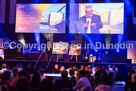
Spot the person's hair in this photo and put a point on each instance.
(67, 89)
(99, 67)
(56, 64)
(19, 65)
(15, 71)
(4, 65)
(101, 88)
(71, 72)
(22, 84)
(82, 72)
(35, 81)
(22, 73)
(64, 74)
(41, 71)
(88, 6)
(5, 77)
(46, 85)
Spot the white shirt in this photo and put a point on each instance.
(82, 84)
(3, 70)
(42, 77)
(89, 24)
(19, 69)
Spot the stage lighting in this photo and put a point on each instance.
(39, 49)
(10, 47)
(117, 50)
(96, 50)
(37, 37)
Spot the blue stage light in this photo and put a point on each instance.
(36, 1)
(90, 1)
(37, 37)
(96, 50)
(39, 49)
(117, 50)
(10, 47)
(54, 1)
(108, 1)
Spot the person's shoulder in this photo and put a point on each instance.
(95, 15)
(83, 17)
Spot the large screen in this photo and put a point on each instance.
(100, 18)
(40, 18)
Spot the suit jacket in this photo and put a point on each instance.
(73, 80)
(61, 84)
(95, 19)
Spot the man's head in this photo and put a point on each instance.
(82, 73)
(19, 65)
(64, 74)
(56, 66)
(82, 67)
(4, 65)
(71, 72)
(41, 71)
(101, 88)
(89, 11)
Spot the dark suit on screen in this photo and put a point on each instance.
(95, 19)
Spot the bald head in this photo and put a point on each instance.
(101, 88)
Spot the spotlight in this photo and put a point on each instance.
(10, 47)
(96, 50)
(117, 50)
(39, 49)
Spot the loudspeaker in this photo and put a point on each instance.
(128, 60)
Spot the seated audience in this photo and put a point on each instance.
(63, 82)
(83, 83)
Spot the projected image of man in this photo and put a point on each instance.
(91, 23)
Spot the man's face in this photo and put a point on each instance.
(89, 12)
(56, 66)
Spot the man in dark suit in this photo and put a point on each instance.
(63, 83)
(72, 77)
(90, 23)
